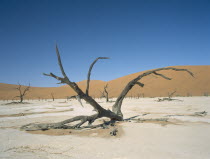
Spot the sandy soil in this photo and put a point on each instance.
(155, 86)
(181, 136)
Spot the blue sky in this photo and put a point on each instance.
(136, 34)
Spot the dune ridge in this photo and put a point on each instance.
(155, 86)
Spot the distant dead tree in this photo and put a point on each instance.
(114, 115)
(206, 94)
(22, 91)
(105, 93)
(52, 95)
(102, 94)
(138, 96)
(189, 94)
(169, 98)
(171, 94)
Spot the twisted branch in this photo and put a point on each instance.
(22, 94)
(161, 75)
(116, 108)
(89, 72)
(60, 63)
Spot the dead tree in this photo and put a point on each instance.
(102, 94)
(114, 115)
(22, 92)
(105, 93)
(169, 98)
(171, 94)
(52, 95)
(206, 94)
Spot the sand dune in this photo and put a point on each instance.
(155, 86)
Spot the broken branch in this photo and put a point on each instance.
(89, 72)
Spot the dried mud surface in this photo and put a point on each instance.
(151, 130)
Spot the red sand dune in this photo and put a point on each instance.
(155, 86)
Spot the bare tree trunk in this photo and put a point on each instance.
(52, 95)
(117, 106)
(21, 99)
(171, 94)
(169, 98)
(106, 93)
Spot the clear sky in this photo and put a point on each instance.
(136, 34)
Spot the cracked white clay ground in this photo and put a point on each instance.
(183, 136)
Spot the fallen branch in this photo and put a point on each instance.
(140, 120)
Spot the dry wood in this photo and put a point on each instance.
(169, 98)
(52, 95)
(114, 115)
(89, 72)
(117, 106)
(22, 93)
(106, 92)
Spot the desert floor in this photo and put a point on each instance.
(183, 136)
